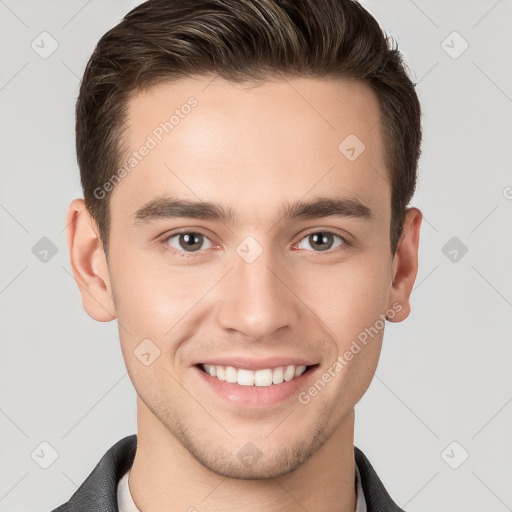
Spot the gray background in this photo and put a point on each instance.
(445, 373)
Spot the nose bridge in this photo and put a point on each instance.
(256, 301)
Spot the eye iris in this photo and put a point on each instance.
(321, 238)
(191, 239)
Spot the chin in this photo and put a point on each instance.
(259, 460)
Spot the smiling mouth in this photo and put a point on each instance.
(262, 378)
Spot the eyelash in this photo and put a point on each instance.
(184, 254)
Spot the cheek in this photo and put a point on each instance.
(352, 304)
(348, 297)
(147, 304)
(149, 298)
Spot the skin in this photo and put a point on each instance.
(252, 148)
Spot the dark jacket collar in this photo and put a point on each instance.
(376, 496)
(98, 493)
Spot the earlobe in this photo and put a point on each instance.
(405, 265)
(88, 262)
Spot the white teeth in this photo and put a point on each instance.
(245, 378)
(277, 375)
(209, 368)
(289, 373)
(300, 370)
(231, 374)
(262, 378)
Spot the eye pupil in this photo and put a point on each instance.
(320, 240)
(190, 240)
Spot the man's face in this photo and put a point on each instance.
(261, 290)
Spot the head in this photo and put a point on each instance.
(258, 108)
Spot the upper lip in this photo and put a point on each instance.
(248, 363)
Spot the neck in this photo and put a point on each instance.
(166, 477)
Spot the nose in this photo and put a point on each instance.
(258, 298)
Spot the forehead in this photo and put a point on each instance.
(253, 146)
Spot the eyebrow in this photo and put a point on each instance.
(165, 207)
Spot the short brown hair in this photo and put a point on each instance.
(242, 40)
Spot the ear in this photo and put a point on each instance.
(89, 263)
(405, 264)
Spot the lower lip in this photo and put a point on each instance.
(260, 396)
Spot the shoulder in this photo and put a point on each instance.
(99, 489)
(376, 496)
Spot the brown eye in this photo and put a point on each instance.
(321, 241)
(187, 241)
